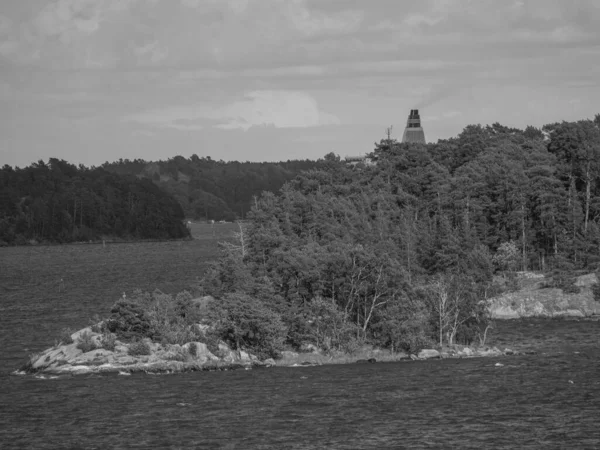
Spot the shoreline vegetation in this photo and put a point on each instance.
(88, 353)
(96, 350)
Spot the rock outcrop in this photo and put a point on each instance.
(127, 358)
(539, 301)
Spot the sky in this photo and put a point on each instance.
(91, 81)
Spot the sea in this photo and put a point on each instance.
(546, 398)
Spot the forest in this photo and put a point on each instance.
(59, 202)
(401, 252)
(213, 190)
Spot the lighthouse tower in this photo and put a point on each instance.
(413, 133)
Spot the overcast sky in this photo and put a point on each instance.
(267, 80)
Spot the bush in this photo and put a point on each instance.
(86, 342)
(96, 324)
(179, 354)
(108, 341)
(246, 323)
(139, 348)
(129, 321)
(157, 316)
(563, 280)
(211, 339)
(193, 349)
(328, 328)
(65, 336)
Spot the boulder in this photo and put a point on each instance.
(61, 355)
(428, 353)
(488, 352)
(228, 355)
(269, 362)
(504, 312)
(465, 352)
(203, 354)
(309, 348)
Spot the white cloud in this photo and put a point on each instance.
(280, 109)
(314, 23)
(67, 16)
(415, 20)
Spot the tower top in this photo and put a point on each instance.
(413, 133)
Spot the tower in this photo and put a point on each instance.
(413, 133)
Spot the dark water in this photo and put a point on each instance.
(547, 400)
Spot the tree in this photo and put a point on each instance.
(455, 302)
(247, 324)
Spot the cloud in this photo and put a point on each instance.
(66, 17)
(279, 109)
(315, 23)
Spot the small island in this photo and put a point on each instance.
(129, 341)
(159, 333)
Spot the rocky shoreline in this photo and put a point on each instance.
(71, 359)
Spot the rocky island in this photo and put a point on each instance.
(137, 339)
(125, 358)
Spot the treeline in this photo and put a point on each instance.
(213, 190)
(59, 202)
(539, 189)
(401, 253)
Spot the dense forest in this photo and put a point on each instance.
(400, 251)
(59, 202)
(213, 190)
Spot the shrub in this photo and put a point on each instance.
(211, 339)
(178, 355)
(328, 328)
(193, 349)
(65, 336)
(563, 280)
(85, 342)
(96, 324)
(108, 341)
(157, 316)
(246, 323)
(129, 321)
(139, 348)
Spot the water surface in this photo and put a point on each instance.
(546, 400)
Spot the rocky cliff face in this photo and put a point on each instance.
(538, 301)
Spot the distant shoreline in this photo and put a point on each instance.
(100, 242)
